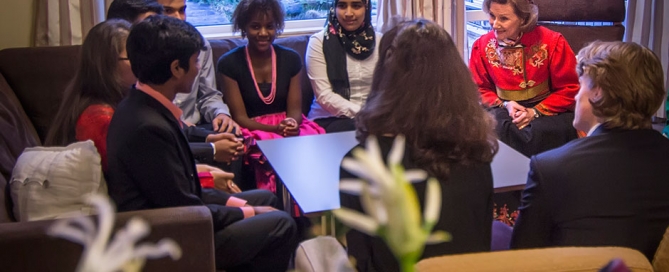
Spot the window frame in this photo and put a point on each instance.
(292, 28)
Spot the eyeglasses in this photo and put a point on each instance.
(123, 58)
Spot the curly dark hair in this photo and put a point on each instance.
(422, 89)
(247, 9)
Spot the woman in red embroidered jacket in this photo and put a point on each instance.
(101, 82)
(526, 76)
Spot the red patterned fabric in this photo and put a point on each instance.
(504, 216)
(92, 125)
(545, 61)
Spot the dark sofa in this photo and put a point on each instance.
(32, 82)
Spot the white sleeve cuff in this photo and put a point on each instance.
(213, 147)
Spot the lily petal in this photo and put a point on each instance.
(358, 168)
(350, 186)
(438, 237)
(373, 206)
(397, 151)
(164, 247)
(432, 201)
(357, 221)
(415, 175)
(64, 229)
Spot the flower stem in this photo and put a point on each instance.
(408, 264)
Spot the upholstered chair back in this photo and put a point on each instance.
(574, 19)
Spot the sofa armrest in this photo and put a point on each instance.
(661, 259)
(25, 246)
(544, 259)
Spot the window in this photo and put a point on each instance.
(212, 17)
(477, 24)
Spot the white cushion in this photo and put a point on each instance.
(51, 182)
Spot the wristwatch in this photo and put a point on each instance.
(536, 113)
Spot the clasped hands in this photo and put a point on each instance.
(521, 116)
(288, 127)
(228, 147)
(222, 180)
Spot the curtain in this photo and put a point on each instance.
(66, 22)
(647, 23)
(390, 11)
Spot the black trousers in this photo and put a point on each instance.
(264, 242)
(542, 134)
(336, 124)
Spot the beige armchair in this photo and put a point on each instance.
(570, 259)
(661, 259)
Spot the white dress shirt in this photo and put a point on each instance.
(204, 102)
(326, 102)
(593, 128)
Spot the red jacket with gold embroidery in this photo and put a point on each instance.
(541, 67)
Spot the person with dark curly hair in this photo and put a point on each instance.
(262, 83)
(423, 90)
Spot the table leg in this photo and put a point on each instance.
(287, 204)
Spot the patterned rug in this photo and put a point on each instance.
(505, 207)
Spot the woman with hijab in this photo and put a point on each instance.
(340, 62)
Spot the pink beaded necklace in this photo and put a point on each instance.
(270, 98)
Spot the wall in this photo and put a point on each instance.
(16, 23)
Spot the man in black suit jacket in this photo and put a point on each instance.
(208, 147)
(610, 188)
(151, 164)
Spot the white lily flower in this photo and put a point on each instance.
(390, 200)
(99, 254)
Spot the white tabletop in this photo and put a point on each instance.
(309, 167)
